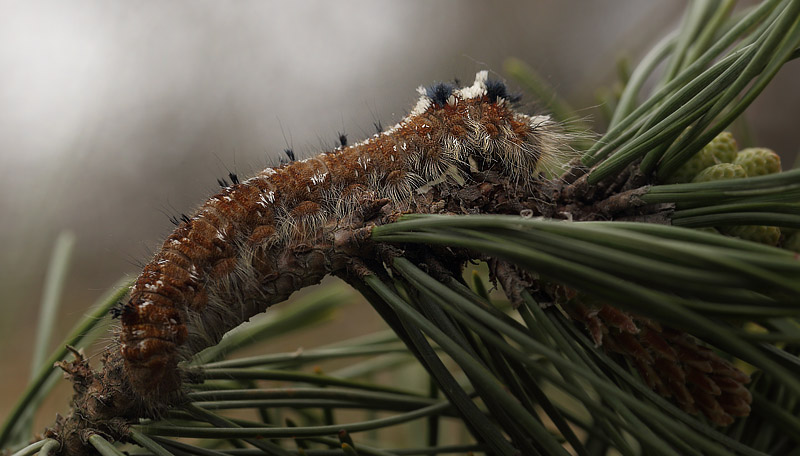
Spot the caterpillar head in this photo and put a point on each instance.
(478, 124)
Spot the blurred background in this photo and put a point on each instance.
(116, 115)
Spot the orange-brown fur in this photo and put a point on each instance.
(255, 242)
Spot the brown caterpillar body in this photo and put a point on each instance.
(258, 241)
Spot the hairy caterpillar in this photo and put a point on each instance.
(259, 240)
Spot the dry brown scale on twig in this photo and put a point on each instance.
(672, 363)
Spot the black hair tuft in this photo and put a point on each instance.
(343, 139)
(174, 220)
(185, 218)
(119, 310)
(222, 182)
(289, 153)
(497, 89)
(439, 93)
(234, 178)
(378, 127)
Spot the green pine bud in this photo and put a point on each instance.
(720, 171)
(708, 229)
(721, 149)
(792, 242)
(769, 235)
(758, 161)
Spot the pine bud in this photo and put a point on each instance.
(769, 235)
(721, 149)
(792, 242)
(758, 161)
(720, 171)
